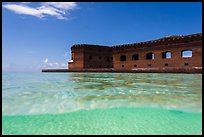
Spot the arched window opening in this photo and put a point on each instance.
(135, 57)
(166, 55)
(186, 53)
(150, 55)
(123, 58)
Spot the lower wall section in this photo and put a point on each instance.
(191, 70)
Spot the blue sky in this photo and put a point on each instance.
(39, 35)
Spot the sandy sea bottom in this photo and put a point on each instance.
(107, 121)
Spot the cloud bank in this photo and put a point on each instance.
(53, 64)
(56, 9)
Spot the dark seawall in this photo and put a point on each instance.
(192, 70)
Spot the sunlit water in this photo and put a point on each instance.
(101, 103)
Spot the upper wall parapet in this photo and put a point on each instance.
(87, 45)
(168, 40)
(163, 41)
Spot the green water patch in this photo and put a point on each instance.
(119, 120)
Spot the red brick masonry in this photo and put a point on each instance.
(164, 55)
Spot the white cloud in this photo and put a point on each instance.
(64, 65)
(51, 11)
(50, 64)
(62, 5)
(46, 60)
(53, 65)
(57, 9)
(56, 64)
(23, 9)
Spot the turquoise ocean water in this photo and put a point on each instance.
(101, 103)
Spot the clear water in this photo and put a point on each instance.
(101, 103)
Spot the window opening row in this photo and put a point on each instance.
(149, 65)
(108, 58)
(165, 55)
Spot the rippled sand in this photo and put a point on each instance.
(107, 121)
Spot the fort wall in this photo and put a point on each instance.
(98, 57)
(91, 56)
(175, 60)
(169, 54)
(77, 61)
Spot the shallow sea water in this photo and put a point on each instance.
(101, 103)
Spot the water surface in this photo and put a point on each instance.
(115, 103)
